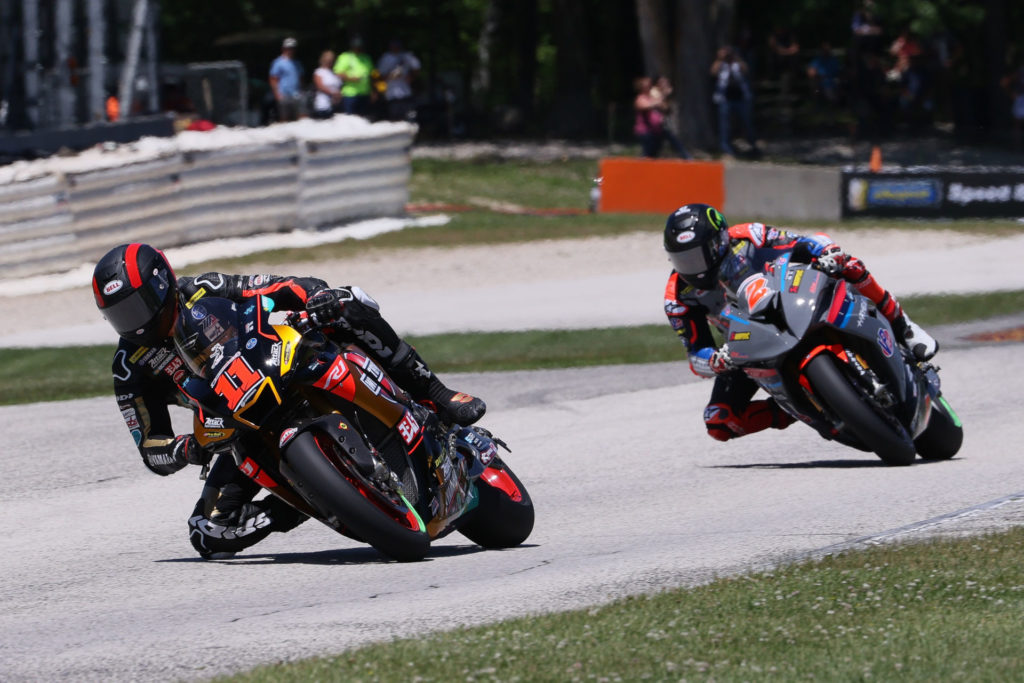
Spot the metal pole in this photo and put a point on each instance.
(62, 71)
(97, 23)
(30, 20)
(152, 55)
(131, 59)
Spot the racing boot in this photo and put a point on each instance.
(412, 373)
(922, 344)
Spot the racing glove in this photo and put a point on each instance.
(831, 260)
(708, 362)
(165, 456)
(325, 307)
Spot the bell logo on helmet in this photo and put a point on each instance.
(111, 287)
(685, 237)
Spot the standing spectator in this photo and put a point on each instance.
(823, 72)
(355, 67)
(733, 96)
(328, 88)
(285, 82)
(662, 94)
(398, 68)
(1014, 85)
(866, 31)
(649, 124)
(785, 53)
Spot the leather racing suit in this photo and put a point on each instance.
(149, 379)
(730, 412)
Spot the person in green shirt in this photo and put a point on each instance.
(355, 67)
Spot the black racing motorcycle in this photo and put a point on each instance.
(325, 429)
(831, 360)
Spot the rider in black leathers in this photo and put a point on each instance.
(136, 290)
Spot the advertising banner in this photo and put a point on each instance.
(934, 194)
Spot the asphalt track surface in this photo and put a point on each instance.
(100, 582)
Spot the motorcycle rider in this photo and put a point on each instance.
(138, 293)
(710, 260)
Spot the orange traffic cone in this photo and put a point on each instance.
(876, 159)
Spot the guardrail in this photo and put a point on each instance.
(57, 213)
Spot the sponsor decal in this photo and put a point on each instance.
(739, 336)
(287, 436)
(334, 376)
(248, 311)
(408, 428)
(179, 376)
(797, 279)
(342, 425)
(251, 344)
(962, 194)
(257, 280)
(194, 298)
(249, 326)
(214, 423)
(885, 342)
(216, 354)
(198, 313)
(121, 371)
(862, 314)
(215, 435)
(138, 354)
(112, 286)
(275, 354)
(137, 436)
(208, 278)
(124, 397)
(173, 365)
(685, 237)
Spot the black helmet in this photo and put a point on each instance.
(136, 291)
(696, 239)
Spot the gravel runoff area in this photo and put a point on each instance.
(567, 283)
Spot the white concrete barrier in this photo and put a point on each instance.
(60, 212)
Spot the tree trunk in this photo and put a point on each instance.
(652, 21)
(694, 54)
(573, 114)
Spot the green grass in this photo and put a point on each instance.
(934, 611)
(28, 375)
(563, 184)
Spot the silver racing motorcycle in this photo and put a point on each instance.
(831, 359)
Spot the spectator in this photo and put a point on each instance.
(650, 108)
(327, 84)
(398, 68)
(286, 81)
(865, 29)
(355, 67)
(733, 96)
(1013, 83)
(785, 53)
(662, 94)
(823, 72)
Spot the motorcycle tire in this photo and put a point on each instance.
(846, 401)
(343, 495)
(943, 436)
(499, 521)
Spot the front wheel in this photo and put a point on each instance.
(943, 436)
(503, 517)
(890, 443)
(328, 481)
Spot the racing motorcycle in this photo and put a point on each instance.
(326, 430)
(831, 360)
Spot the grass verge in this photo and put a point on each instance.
(28, 375)
(935, 611)
(563, 184)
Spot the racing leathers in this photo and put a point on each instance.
(691, 312)
(149, 379)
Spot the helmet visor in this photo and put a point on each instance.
(690, 262)
(140, 307)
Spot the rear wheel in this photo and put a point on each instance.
(333, 485)
(889, 442)
(504, 516)
(943, 436)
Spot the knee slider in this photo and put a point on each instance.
(718, 420)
